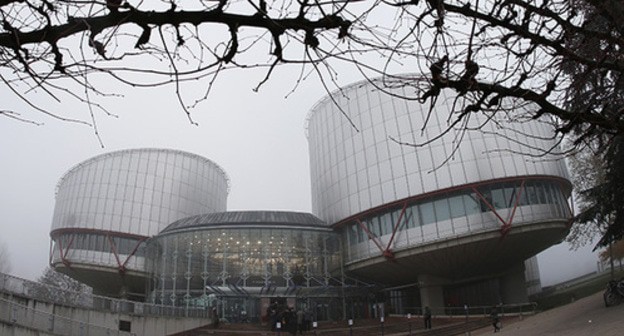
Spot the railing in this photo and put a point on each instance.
(30, 289)
(517, 309)
(13, 313)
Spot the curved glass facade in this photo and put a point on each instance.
(138, 191)
(354, 170)
(107, 206)
(243, 263)
(447, 214)
(445, 203)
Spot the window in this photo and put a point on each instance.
(387, 222)
(472, 204)
(510, 195)
(373, 226)
(498, 198)
(427, 213)
(442, 210)
(523, 194)
(456, 205)
(532, 194)
(411, 217)
(353, 234)
(547, 189)
(361, 234)
(543, 196)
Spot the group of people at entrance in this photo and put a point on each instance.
(288, 320)
(496, 322)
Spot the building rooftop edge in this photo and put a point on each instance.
(252, 217)
(145, 149)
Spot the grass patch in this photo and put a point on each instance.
(563, 294)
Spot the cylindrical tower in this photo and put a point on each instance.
(461, 202)
(106, 207)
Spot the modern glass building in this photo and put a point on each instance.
(454, 218)
(107, 206)
(249, 260)
(408, 210)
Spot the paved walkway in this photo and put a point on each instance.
(587, 316)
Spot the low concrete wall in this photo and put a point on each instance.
(17, 313)
(15, 330)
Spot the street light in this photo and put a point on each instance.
(382, 325)
(350, 322)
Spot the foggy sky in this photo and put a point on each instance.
(258, 139)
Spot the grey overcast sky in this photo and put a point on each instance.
(258, 138)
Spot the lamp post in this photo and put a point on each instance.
(381, 320)
(409, 323)
(350, 322)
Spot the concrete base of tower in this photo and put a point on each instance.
(431, 291)
(513, 286)
(437, 293)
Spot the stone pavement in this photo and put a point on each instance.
(587, 316)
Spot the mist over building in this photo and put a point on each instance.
(436, 223)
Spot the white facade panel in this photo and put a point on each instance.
(108, 205)
(138, 191)
(484, 153)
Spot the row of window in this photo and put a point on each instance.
(460, 204)
(101, 243)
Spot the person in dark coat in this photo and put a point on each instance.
(495, 319)
(427, 317)
(300, 321)
(291, 321)
(215, 317)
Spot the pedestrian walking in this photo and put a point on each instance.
(300, 320)
(427, 317)
(495, 319)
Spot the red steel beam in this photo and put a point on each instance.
(114, 250)
(388, 252)
(489, 205)
(136, 247)
(371, 236)
(63, 260)
(507, 226)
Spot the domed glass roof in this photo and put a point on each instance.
(254, 218)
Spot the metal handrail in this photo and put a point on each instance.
(456, 311)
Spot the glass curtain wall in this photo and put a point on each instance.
(457, 204)
(233, 267)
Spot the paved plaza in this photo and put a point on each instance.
(587, 316)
